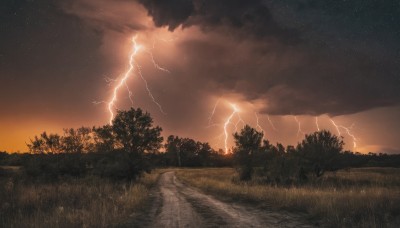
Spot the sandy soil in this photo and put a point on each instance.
(177, 205)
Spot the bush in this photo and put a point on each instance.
(53, 166)
(120, 165)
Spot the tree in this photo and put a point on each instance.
(36, 145)
(135, 138)
(45, 144)
(248, 143)
(134, 131)
(188, 152)
(104, 138)
(77, 141)
(322, 150)
(173, 150)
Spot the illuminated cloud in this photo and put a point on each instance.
(290, 57)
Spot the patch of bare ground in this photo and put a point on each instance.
(178, 205)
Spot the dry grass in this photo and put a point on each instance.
(88, 202)
(358, 197)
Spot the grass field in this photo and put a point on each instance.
(84, 202)
(368, 197)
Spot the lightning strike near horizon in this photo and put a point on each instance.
(299, 131)
(133, 66)
(336, 126)
(347, 129)
(317, 124)
(227, 122)
(271, 123)
(258, 124)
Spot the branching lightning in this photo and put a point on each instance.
(133, 67)
(348, 131)
(227, 122)
(234, 118)
(111, 103)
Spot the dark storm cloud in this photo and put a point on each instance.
(170, 13)
(345, 58)
(246, 18)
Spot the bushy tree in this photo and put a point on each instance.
(104, 138)
(122, 149)
(321, 150)
(134, 131)
(248, 143)
(45, 144)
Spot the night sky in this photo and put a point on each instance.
(280, 60)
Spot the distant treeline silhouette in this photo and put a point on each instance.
(132, 145)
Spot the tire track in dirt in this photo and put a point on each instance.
(183, 206)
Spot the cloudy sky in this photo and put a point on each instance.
(283, 61)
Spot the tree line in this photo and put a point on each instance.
(132, 145)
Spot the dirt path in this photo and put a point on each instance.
(182, 206)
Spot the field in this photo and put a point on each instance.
(82, 202)
(367, 197)
(364, 197)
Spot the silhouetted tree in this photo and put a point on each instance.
(45, 144)
(135, 138)
(248, 143)
(190, 153)
(104, 139)
(172, 148)
(77, 141)
(321, 149)
(37, 145)
(134, 131)
(206, 155)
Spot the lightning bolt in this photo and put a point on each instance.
(133, 66)
(111, 103)
(316, 123)
(227, 122)
(258, 123)
(240, 120)
(347, 129)
(156, 64)
(299, 131)
(149, 91)
(213, 112)
(271, 123)
(336, 126)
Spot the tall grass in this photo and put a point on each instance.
(85, 202)
(359, 197)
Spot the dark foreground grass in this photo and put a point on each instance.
(367, 197)
(83, 202)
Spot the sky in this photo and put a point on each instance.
(296, 65)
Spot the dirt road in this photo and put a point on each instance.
(178, 205)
